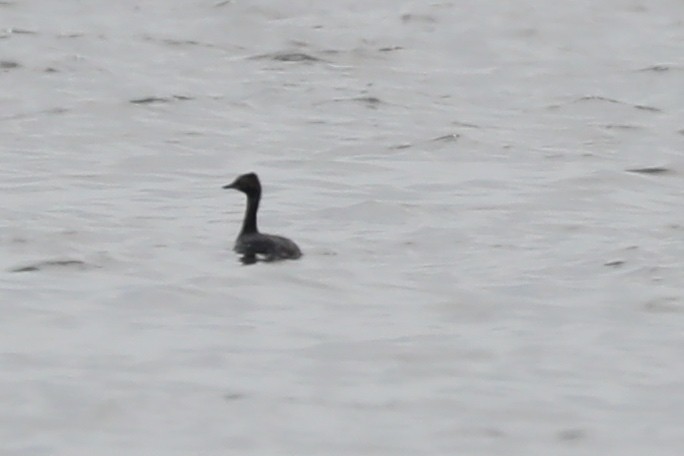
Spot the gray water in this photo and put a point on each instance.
(488, 195)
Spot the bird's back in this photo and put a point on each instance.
(269, 246)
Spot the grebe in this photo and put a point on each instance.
(250, 242)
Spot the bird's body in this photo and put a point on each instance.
(267, 246)
(252, 244)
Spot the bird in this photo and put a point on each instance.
(250, 243)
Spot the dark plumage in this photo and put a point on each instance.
(250, 242)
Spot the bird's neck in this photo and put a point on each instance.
(249, 225)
